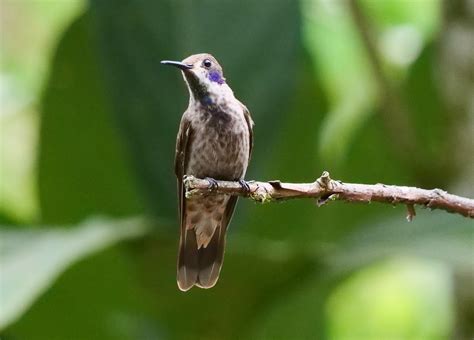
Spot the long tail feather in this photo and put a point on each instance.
(211, 259)
(188, 266)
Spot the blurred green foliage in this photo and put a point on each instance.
(25, 50)
(108, 120)
(76, 123)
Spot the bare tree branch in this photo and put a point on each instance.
(325, 189)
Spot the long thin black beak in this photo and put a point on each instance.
(177, 64)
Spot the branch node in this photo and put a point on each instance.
(275, 183)
(411, 213)
(261, 197)
(188, 181)
(326, 198)
(324, 181)
(429, 205)
(189, 194)
(190, 190)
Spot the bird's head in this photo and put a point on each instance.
(203, 75)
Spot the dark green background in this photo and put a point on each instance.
(109, 118)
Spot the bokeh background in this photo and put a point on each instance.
(371, 90)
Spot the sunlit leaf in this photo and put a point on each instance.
(389, 299)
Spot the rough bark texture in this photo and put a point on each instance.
(325, 189)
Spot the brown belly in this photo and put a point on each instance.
(219, 154)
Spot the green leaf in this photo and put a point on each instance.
(83, 168)
(31, 260)
(103, 292)
(425, 16)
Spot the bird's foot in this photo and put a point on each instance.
(244, 186)
(212, 183)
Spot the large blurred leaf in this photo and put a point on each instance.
(149, 99)
(130, 292)
(32, 259)
(99, 298)
(82, 167)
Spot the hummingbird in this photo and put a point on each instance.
(214, 142)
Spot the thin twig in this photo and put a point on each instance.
(411, 213)
(325, 189)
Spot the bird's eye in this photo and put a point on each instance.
(207, 63)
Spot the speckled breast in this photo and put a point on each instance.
(220, 144)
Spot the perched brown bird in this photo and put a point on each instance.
(214, 142)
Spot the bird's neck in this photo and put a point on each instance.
(212, 95)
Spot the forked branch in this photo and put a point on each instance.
(325, 189)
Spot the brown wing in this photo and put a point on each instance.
(181, 157)
(250, 124)
(187, 269)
